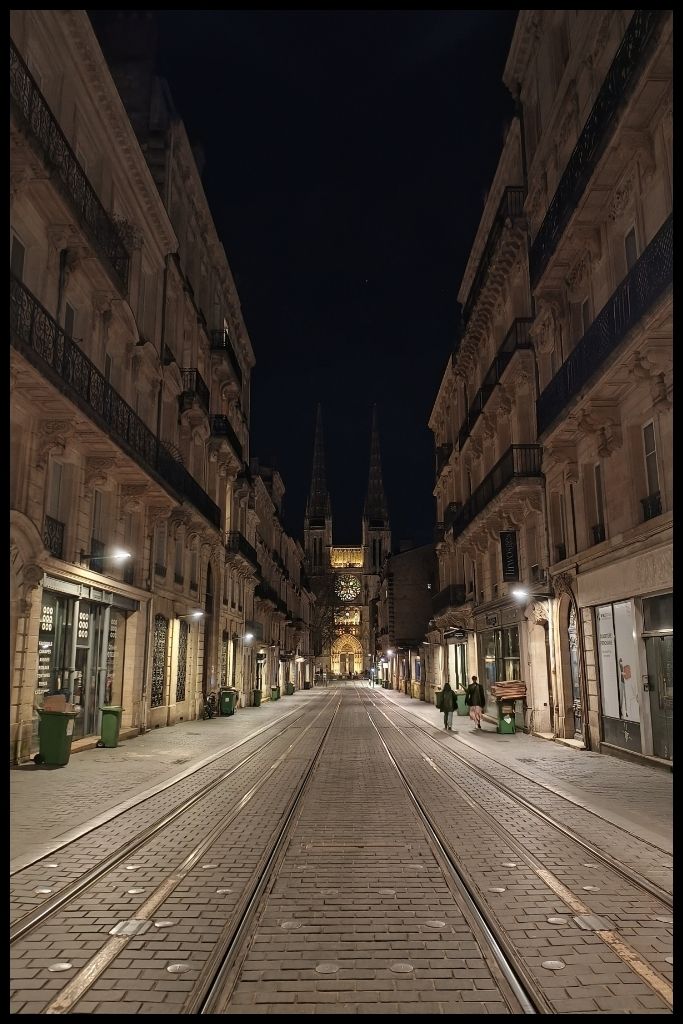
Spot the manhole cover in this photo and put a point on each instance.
(327, 968)
(163, 924)
(290, 926)
(590, 864)
(591, 888)
(665, 920)
(60, 967)
(223, 892)
(132, 867)
(207, 866)
(42, 892)
(557, 920)
(178, 968)
(509, 863)
(387, 892)
(401, 968)
(497, 888)
(132, 927)
(134, 892)
(435, 924)
(553, 965)
(52, 865)
(329, 892)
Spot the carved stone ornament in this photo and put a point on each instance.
(157, 514)
(538, 612)
(488, 426)
(132, 497)
(562, 584)
(620, 199)
(578, 275)
(31, 578)
(660, 392)
(52, 437)
(545, 327)
(97, 471)
(505, 402)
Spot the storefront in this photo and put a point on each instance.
(657, 636)
(81, 647)
(615, 630)
(499, 655)
(456, 652)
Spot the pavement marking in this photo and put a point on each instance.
(625, 952)
(72, 992)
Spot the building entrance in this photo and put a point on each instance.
(659, 652)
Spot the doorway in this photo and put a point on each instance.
(659, 653)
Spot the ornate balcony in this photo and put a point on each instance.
(520, 460)
(53, 536)
(639, 290)
(443, 454)
(43, 343)
(194, 390)
(616, 90)
(221, 343)
(237, 545)
(652, 506)
(65, 169)
(517, 337)
(450, 597)
(221, 427)
(511, 207)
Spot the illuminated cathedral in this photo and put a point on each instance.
(346, 579)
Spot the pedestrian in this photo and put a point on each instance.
(475, 699)
(448, 706)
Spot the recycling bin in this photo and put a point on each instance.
(506, 716)
(275, 693)
(256, 698)
(111, 726)
(55, 732)
(227, 700)
(438, 698)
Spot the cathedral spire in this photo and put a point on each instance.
(375, 500)
(318, 503)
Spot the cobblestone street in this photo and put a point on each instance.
(337, 852)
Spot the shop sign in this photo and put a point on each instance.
(458, 636)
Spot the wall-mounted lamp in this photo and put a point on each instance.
(390, 653)
(520, 594)
(191, 615)
(115, 555)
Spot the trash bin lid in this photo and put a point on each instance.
(67, 714)
(110, 707)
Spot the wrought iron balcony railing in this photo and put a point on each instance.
(40, 339)
(194, 387)
(220, 342)
(53, 536)
(450, 597)
(237, 543)
(616, 90)
(443, 454)
(652, 506)
(639, 290)
(222, 427)
(520, 460)
(517, 337)
(65, 168)
(511, 207)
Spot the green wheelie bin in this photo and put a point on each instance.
(289, 689)
(506, 716)
(438, 698)
(111, 726)
(462, 708)
(275, 693)
(227, 701)
(55, 732)
(256, 695)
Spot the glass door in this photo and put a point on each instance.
(660, 655)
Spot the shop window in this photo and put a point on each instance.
(658, 614)
(615, 629)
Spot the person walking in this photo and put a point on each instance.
(475, 699)
(448, 706)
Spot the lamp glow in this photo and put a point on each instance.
(520, 594)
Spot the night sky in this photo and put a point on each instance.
(348, 157)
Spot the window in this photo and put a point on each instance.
(631, 249)
(193, 567)
(107, 367)
(97, 515)
(599, 503)
(650, 449)
(17, 254)
(586, 318)
(69, 319)
(54, 499)
(160, 547)
(178, 568)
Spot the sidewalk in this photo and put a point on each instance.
(632, 796)
(48, 803)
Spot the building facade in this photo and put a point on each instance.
(554, 479)
(130, 378)
(404, 608)
(345, 579)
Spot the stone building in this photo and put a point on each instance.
(345, 579)
(553, 419)
(130, 376)
(404, 608)
(596, 95)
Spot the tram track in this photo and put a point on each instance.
(643, 969)
(28, 922)
(645, 885)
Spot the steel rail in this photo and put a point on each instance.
(651, 888)
(525, 991)
(30, 920)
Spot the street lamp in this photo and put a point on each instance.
(191, 615)
(116, 555)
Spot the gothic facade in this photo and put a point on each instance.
(345, 579)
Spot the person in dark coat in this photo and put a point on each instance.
(475, 699)
(448, 700)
